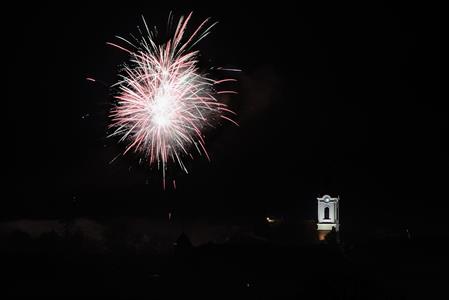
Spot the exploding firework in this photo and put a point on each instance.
(164, 103)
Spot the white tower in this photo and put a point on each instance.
(328, 215)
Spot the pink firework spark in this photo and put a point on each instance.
(164, 101)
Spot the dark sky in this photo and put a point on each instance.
(347, 100)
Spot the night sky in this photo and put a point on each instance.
(343, 100)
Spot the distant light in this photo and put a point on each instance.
(270, 220)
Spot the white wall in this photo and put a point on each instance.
(333, 214)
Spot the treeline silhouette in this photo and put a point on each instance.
(256, 265)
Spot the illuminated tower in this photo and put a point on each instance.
(328, 215)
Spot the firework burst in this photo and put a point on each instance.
(164, 103)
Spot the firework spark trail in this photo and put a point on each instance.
(164, 103)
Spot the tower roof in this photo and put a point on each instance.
(328, 198)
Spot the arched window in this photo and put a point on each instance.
(326, 213)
